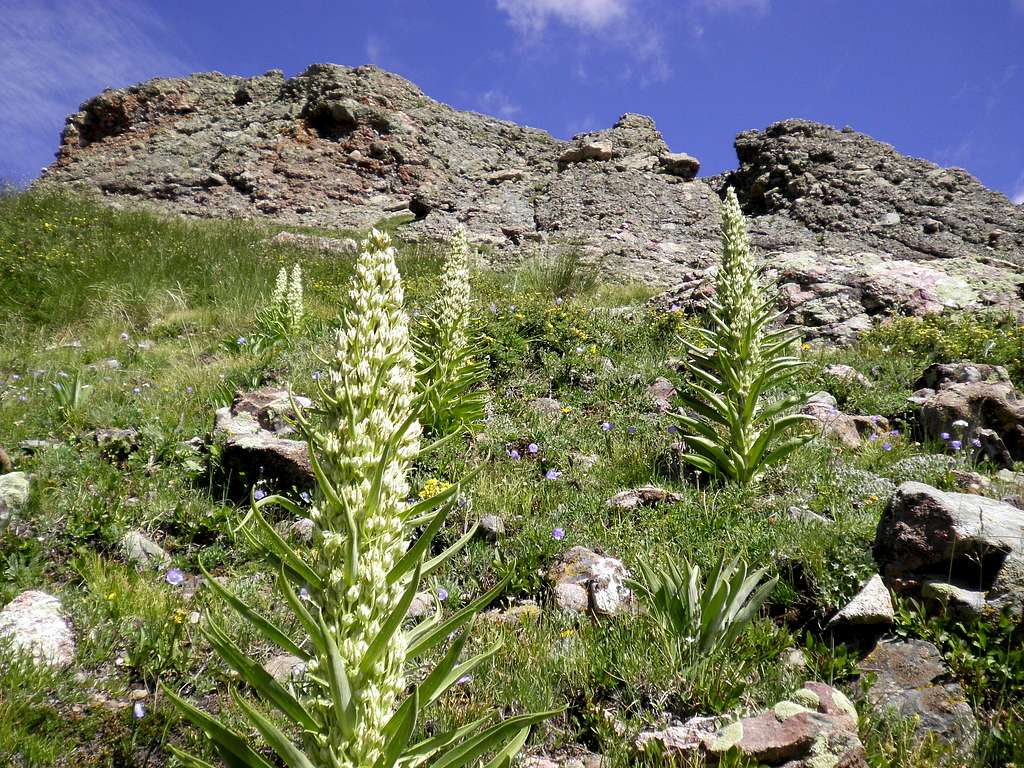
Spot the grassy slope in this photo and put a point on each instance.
(80, 284)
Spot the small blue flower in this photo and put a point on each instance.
(956, 445)
(305, 497)
(532, 448)
(895, 433)
(136, 390)
(139, 710)
(579, 350)
(944, 435)
(631, 430)
(493, 308)
(304, 594)
(558, 301)
(259, 493)
(886, 446)
(316, 375)
(189, 390)
(552, 474)
(242, 341)
(976, 442)
(464, 680)
(873, 438)
(672, 429)
(174, 577)
(558, 534)
(514, 455)
(607, 426)
(442, 594)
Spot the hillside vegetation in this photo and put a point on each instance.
(118, 319)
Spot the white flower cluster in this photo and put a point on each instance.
(737, 288)
(452, 306)
(369, 396)
(286, 300)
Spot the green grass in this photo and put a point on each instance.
(81, 284)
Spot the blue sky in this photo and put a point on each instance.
(939, 79)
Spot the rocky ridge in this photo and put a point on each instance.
(850, 228)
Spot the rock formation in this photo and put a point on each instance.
(848, 226)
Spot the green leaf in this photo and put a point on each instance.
(422, 641)
(399, 730)
(281, 744)
(267, 628)
(496, 737)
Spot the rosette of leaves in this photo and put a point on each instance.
(736, 428)
(349, 594)
(449, 354)
(698, 617)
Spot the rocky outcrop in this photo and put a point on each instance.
(850, 228)
(14, 493)
(931, 537)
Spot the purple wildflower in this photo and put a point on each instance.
(189, 390)
(886, 446)
(305, 497)
(558, 534)
(607, 426)
(175, 576)
(672, 429)
(242, 341)
(442, 594)
(464, 680)
(976, 442)
(259, 493)
(136, 390)
(631, 430)
(552, 474)
(956, 445)
(579, 350)
(514, 455)
(139, 710)
(944, 435)
(304, 594)
(532, 448)
(873, 438)
(558, 301)
(316, 375)
(895, 433)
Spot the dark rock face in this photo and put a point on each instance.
(908, 679)
(849, 228)
(931, 537)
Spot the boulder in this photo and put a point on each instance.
(586, 150)
(849, 430)
(33, 623)
(143, 553)
(846, 374)
(908, 679)
(967, 540)
(981, 397)
(872, 605)
(585, 581)
(679, 164)
(491, 528)
(251, 433)
(816, 727)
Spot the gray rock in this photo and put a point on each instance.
(251, 433)
(661, 392)
(143, 552)
(644, 496)
(546, 406)
(973, 542)
(15, 488)
(680, 164)
(907, 679)
(955, 599)
(804, 515)
(847, 374)
(422, 605)
(583, 580)
(33, 623)
(286, 668)
(491, 527)
(872, 605)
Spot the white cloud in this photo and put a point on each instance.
(374, 49)
(497, 102)
(631, 26)
(735, 6)
(54, 55)
(532, 16)
(1017, 196)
